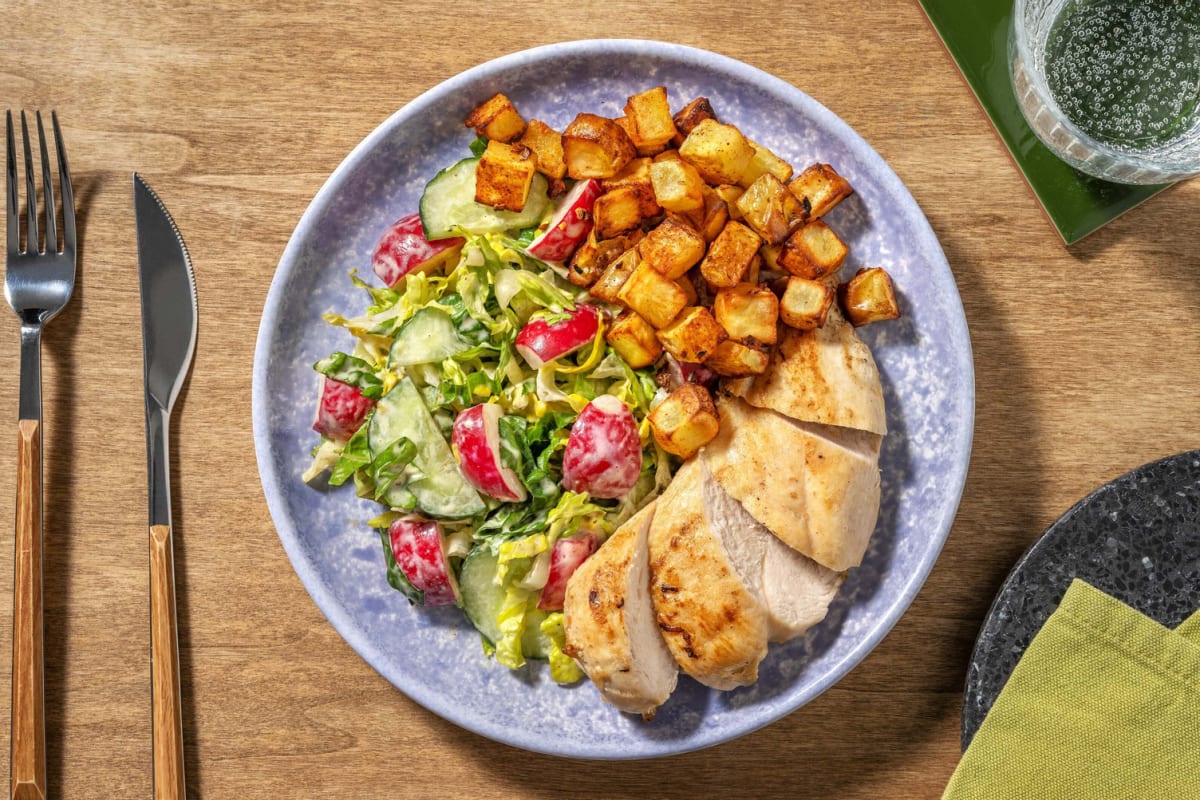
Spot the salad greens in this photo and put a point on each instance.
(450, 336)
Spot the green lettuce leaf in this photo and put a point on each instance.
(394, 576)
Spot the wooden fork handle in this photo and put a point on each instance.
(28, 765)
(164, 668)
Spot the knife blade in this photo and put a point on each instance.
(169, 311)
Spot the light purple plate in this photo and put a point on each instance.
(434, 656)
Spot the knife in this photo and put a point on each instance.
(168, 291)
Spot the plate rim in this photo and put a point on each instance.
(957, 329)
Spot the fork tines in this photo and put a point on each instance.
(32, 233)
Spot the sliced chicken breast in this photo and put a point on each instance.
(816, 487)
(826, 375)
(706, 589)
(611, 629)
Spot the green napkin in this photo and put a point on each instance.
(1104, 704)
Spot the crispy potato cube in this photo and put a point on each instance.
(737, 360)
(692, 335)
(593, 256)
(729, 255)
(770, 209)
(634, 339)
(716, 214)
(813, 251)
(653, 295)
(547, 147)
(754, 273)
(617, 211)
(719, 152)
(649, 115)
(677, 185)
(668, 155)
(765, 162)
(770, 257)
(637, 175)
(596, 147)
(497, 119)
(730, 194)
(869, 297)
(607, 288)
(749, 313)
(689, 290)
(685, 421)
(688, 117)
(672, 248)
(503, 176)
(805, 303)
(820, 188)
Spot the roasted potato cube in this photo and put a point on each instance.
(813, 251)
(716, 214)
(596, 147)
(692, 335)
(765, 162)
(689, 290)
(677, 185)
(634, 339)
(653, 295)
(754, 272)
(594, 255)
(503, 175)
(770, 209)
(749, 313)
(547, 147)
(820, 188)
(869, 297)
(770, 257)
(730, 194)
(688, 117)
(617, 211)
(737, 360)
(649, 115)
(719, 152)
(672, 248)
(685, 421)
(637, 175)
(497, 119)
(729, 255)
(668, 155)
(607, 288)
(805, 303)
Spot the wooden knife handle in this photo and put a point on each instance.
(28, 765)
(164, 669)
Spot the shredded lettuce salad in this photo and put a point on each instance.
(495, 288)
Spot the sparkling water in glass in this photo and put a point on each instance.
(1112, 86)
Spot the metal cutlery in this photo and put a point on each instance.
(37, 284)
(168, 291)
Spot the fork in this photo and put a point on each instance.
(37, 284)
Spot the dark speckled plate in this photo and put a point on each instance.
(1137, 539)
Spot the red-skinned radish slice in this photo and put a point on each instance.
(341, 409)
(476, 437)
(603, 456)
(419, 547)
(674, 373)
(540, 342)
(570, 224)
(403, 249)
(566, 557)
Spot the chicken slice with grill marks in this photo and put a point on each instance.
(610, 625)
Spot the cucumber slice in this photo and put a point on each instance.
(482, 599)
(441, 491)
(448, 206)
(428, 338)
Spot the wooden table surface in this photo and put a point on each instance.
(1087, 362)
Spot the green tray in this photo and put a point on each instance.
(975, 33)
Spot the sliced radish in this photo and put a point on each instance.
(603, 456)
(570, 225)
(674, 373)
(341, 409)
(541, 342)
(566, 557)
(476, 436)
(419, 547)
(403, 249)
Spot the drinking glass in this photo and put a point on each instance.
(1112, 86)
